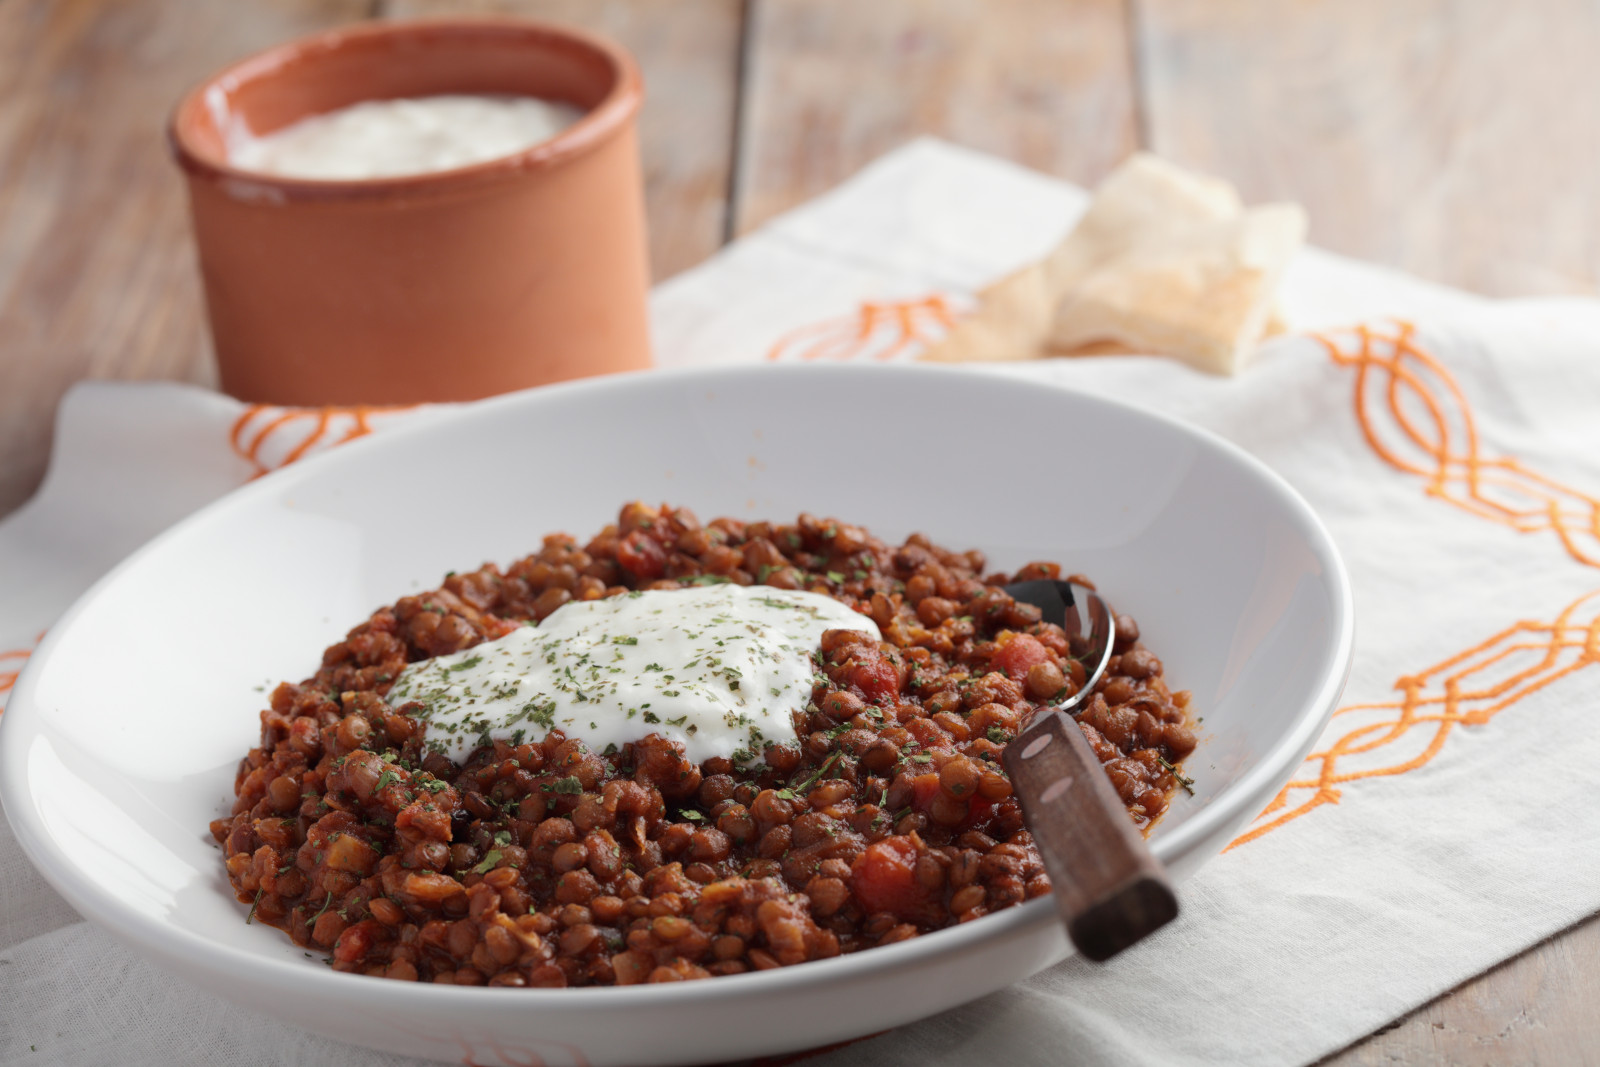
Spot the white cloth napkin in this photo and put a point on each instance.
(1457, 464)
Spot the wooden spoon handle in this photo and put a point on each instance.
(1110, 890)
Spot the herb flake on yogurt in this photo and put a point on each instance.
(721, 669)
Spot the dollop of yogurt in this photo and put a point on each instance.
(720, 668)
(391, 138)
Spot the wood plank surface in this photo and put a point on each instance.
(1538, 1008)
(833, 84)
(97, 273)
(688, 51)
(1455, 139)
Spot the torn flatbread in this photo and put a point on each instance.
(1137, 202)
(1203, 294)
(1151, 223)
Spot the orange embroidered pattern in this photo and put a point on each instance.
(269, 437)
(1417, 419)
(1395, 736)
(880, 332)
(11, 662)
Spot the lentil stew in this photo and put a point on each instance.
(547, 864)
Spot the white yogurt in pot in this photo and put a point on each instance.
(393, 138)
(721, 668)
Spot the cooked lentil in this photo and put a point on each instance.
(550, 865)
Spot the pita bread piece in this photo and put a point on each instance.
(1142, 201)
(1012, 321)
(1203, 294)
(1138, 202)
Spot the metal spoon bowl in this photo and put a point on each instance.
(1059, 601)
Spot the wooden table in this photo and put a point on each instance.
(1455, 139)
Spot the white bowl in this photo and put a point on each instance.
(122, 735)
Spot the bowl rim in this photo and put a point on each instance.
(594, 128)
(163, 941)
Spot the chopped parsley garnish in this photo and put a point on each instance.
(817, 774)
(1186, 782)
(252, 913)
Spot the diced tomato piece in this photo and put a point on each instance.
(642, 556)
(354, 943)
(1017, 653)
(928, 733)
(884, 878)
(494, 627)
(979, 810)
(873, 674)
(924, 787)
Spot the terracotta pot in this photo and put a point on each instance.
(444, 286)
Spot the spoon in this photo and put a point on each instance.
(1111, 892)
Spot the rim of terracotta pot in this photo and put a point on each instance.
(594, 128)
